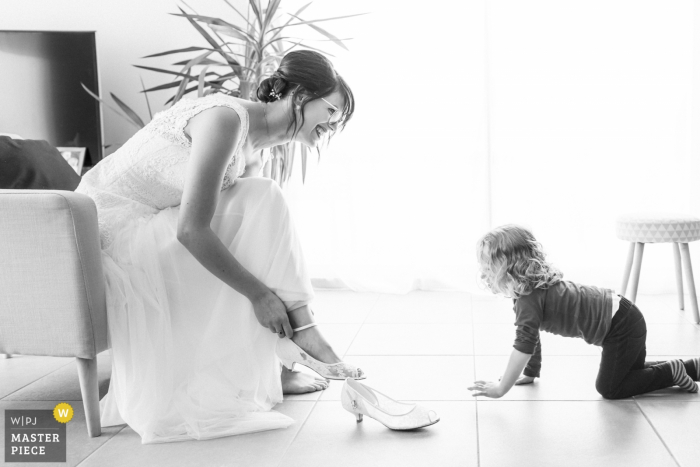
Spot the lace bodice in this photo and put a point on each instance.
(147, 174)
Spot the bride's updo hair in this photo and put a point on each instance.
(311, 76)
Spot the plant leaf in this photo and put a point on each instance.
(192, 63)
(240, 14)
(148, 103)
(218, 23)
(209, 39)
(95, 96)
(256, 11)
(172, 84)
(320, 30)
(186, 91)
(271, 10)
(304, 156)
(160, 70)
(127, 110)
(206, 61)
(318, 50)
(200, 85)
(180, 90)
(273, 161)
(292, 151)
(302, 21)
(280, 28)
(186, 49)
(231, 32)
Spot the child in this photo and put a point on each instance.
(513, 263)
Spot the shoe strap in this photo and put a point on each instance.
(301, 328)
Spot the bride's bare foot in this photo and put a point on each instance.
(316, 345)
(294, 382)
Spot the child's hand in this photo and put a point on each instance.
(486, 388)
(524, 380)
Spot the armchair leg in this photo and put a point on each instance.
(87, 373)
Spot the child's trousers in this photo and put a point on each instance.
(623, 370)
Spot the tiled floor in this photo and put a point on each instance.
(426, 347)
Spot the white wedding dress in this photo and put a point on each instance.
(189, 358)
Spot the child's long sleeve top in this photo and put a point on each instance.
(566, 309)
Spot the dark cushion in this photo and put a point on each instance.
(34, 165)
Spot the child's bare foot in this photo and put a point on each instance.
(295, 382)
(316, 345)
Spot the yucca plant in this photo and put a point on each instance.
(240, 54)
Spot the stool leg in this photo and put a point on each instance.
(637, 269)
(628, 269)
(690, 282)
(679, 274)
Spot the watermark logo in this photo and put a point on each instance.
(63, 412)
(37, 435)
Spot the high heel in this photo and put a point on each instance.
(360, 400)
(290, 353)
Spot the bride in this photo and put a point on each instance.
(206, 280)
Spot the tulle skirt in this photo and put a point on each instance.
(189, 358)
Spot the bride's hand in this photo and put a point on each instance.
(272, 314)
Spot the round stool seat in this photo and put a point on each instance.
(664, 228)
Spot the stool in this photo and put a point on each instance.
(678, 230)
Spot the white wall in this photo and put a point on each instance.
(592, 111)
(591, 114)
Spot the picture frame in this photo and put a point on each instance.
(74, 156)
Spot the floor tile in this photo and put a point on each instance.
(264, 449)
(563, 378)
(677, 424)
(673, 339)
(497, 339)
(565, 433)
(340, 335)
(413, 339)
(493, 338)
(422, 307)
(669, 394)
(413, 378)
(498, 311)
(553, 344)
(665, 304)
(21, 370)
(486, 296)
(343, 306)
(332, 437)
(63, 384)
(420, 347)
(660, 309)
(78, 446)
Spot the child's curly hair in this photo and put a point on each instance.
(512, 262)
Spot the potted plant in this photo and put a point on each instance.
(238, 55)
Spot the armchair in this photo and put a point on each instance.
(52, 293)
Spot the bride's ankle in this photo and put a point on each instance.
(318, 347)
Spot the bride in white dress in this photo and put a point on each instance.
(205, 275)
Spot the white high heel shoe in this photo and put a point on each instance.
(360, 400)
(290, 354)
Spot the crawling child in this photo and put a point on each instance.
(513, 263)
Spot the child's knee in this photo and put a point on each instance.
(609, 394)
(605, 391)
